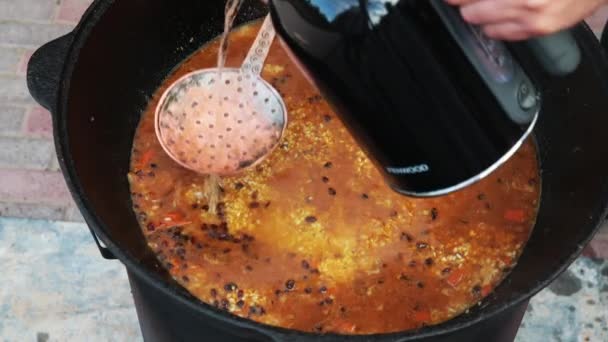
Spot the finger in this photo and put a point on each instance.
(490, 12)
(510, 31)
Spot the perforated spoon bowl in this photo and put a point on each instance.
(220, 124)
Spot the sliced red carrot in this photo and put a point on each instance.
(455, 277)
(486, 290)
(146, 158)
(515, 215)
(422, 316)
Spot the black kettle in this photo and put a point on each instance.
(435, 103)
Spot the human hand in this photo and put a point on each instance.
(523, 19)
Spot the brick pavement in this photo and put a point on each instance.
(30, 183)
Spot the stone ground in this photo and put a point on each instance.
(56, 287)
(68, 293)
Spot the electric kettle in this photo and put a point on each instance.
(433, 102)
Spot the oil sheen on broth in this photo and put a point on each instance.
(312, 239)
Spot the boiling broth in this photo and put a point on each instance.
(312, 238)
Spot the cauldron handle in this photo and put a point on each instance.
(45, 68)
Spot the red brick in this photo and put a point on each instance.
(72, 214)
(23, 153)
(589, 252)
(30, 34)
(33, 187)
(32, 211)
(11, 120)
(598, 248)
(27, 10)
(70, 11)
(25, 58)
(13, 89)
(9, 60)
(39, 123)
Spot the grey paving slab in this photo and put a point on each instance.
(56, 286)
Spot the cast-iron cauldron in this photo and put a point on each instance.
(98, 79)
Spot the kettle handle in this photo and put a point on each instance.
(558, 53)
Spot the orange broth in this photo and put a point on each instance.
(312, 239)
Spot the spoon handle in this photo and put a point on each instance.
(254, 62)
